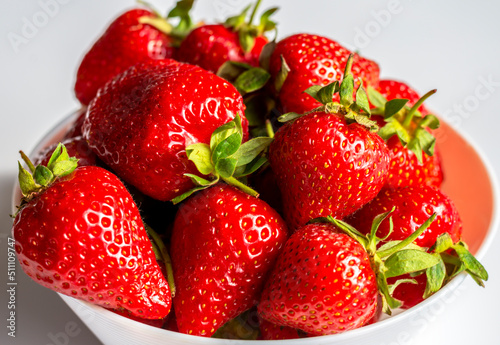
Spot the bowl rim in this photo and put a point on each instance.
(398, 317)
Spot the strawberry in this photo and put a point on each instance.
(411, 207)
(78, 232)
(136, 36)
(224, 242)
(325, 162)
(407, 128)
(303, 60)
(140, 123)
(328, 277)
(75, 130)
(270, 331)
(210, 46)
(76, 147)
(392, 89)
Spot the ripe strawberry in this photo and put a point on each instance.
(325, 166)
(413, 205)
(313, 60)
(327, 162)
(224, 243)
(392, 89)
(271, 331)
(407, 127)
(78, 232)
(328, 277)
(136, 36)
(75, 147)
(140, 123)
(322, 283)
(210, 46)
(76, 127)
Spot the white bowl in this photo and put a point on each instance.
(474, 190)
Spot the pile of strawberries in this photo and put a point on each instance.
(214, 178)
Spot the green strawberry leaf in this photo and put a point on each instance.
(288, 117)
(238, 21)
(26, 181)
(426, 141)
(416, 148)
(443, 243)
(64, 167)
(323, 94)
(247, 40)
(226, 147)
(346, 90)
(408, 261)
(390, 244)
(56, 155)
(471, 264)
(362, 99)
(376, 98)
(225, 167)
(251, 167)
(200, 155)
(435, 277)
(200, 181)
(251, 149)
(394, 106)
(252, 80)
(231, 70)
(266, 24)
(224, 131)
(394, 286)
(430, 121)
(282, 75)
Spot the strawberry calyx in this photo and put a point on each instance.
(226, 158)
(161, 254)
(352, 108)
(244, 77)
(36, 179)
(247, 31)
(440, 263)
(396, 259)
(406, 122)
(161, 23)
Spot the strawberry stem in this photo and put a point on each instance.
(411, 113)
(269, 129)
(401, 245)
(235, 182)
(254, 12)
(27, 161)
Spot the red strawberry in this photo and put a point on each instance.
(329, 277)
(78, 232)
(270, 331)
(323, 283)
(210, 46)
(408, 129)
(406, 170)
(76, 127)
(413, 206)
(224, 243)
(392, 89)
(313, 60)
(76, 147)
(329, 161)
(140, 123)
(131, 38)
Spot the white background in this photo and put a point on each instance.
(448, 45)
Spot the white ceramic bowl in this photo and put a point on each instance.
(474, 190)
